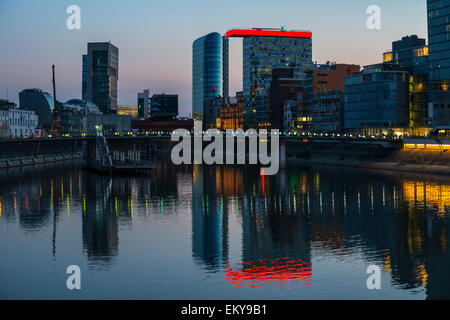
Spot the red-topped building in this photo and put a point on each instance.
(265, 49)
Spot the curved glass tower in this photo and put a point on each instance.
(40, 102)
(209, 72)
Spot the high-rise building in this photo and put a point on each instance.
(102, 66)
(84, 77)
(209, 72)
(265, 49)
(144, 105)
(439, 60)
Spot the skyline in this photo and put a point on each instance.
(156, 53)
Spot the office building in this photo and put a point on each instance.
(131, 111)
(209, 72)
(108, 124)
(164, 106)
(283, 87)
(411, 54)
(213, 105)
(328, 112)
(263, 50)
(439, 61)
(102, 66)
(144, 104)
(84, 77)
(72, 116)
(322, 103)
(377, 101)
(41, 103)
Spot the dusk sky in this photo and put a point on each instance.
(155, 38)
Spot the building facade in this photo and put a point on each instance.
(439, 61)
(84, 77)
(102, 75)
(209, 72)
(16, 122)
(164, 106)
(264, 50)
(377, 102)
(283, 87)
(328, 112)
(290, 115)
(132, 111)
(40, 102)
(144, 104)
(231, 116)
(211, 119)
(73, 115)
(411, 54)
(4, 125)
(108, 124)
(322, 98)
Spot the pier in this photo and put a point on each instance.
(121, 156)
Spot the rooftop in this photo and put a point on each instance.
(261, 32)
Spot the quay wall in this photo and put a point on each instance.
(371, 156)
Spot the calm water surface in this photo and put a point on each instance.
(223, 233)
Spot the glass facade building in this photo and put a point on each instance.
(439, 39)
(377, 102)
(210, 72)
(411, 54)
(164, 106)
(102, 75)
(262, 54)
(40, 102)
(84, 77)
(144, 104)
(439, 60)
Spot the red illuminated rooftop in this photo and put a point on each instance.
(242, 33)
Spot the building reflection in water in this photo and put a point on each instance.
(401, 223)
(211, 187)
(398, 223)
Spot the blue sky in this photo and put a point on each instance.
(155, 38)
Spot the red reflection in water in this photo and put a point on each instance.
(282, 272)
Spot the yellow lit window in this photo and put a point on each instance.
(388, 57)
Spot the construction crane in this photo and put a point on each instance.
(56, 110)
(54, 84)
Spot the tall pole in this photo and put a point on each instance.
(54, 84)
